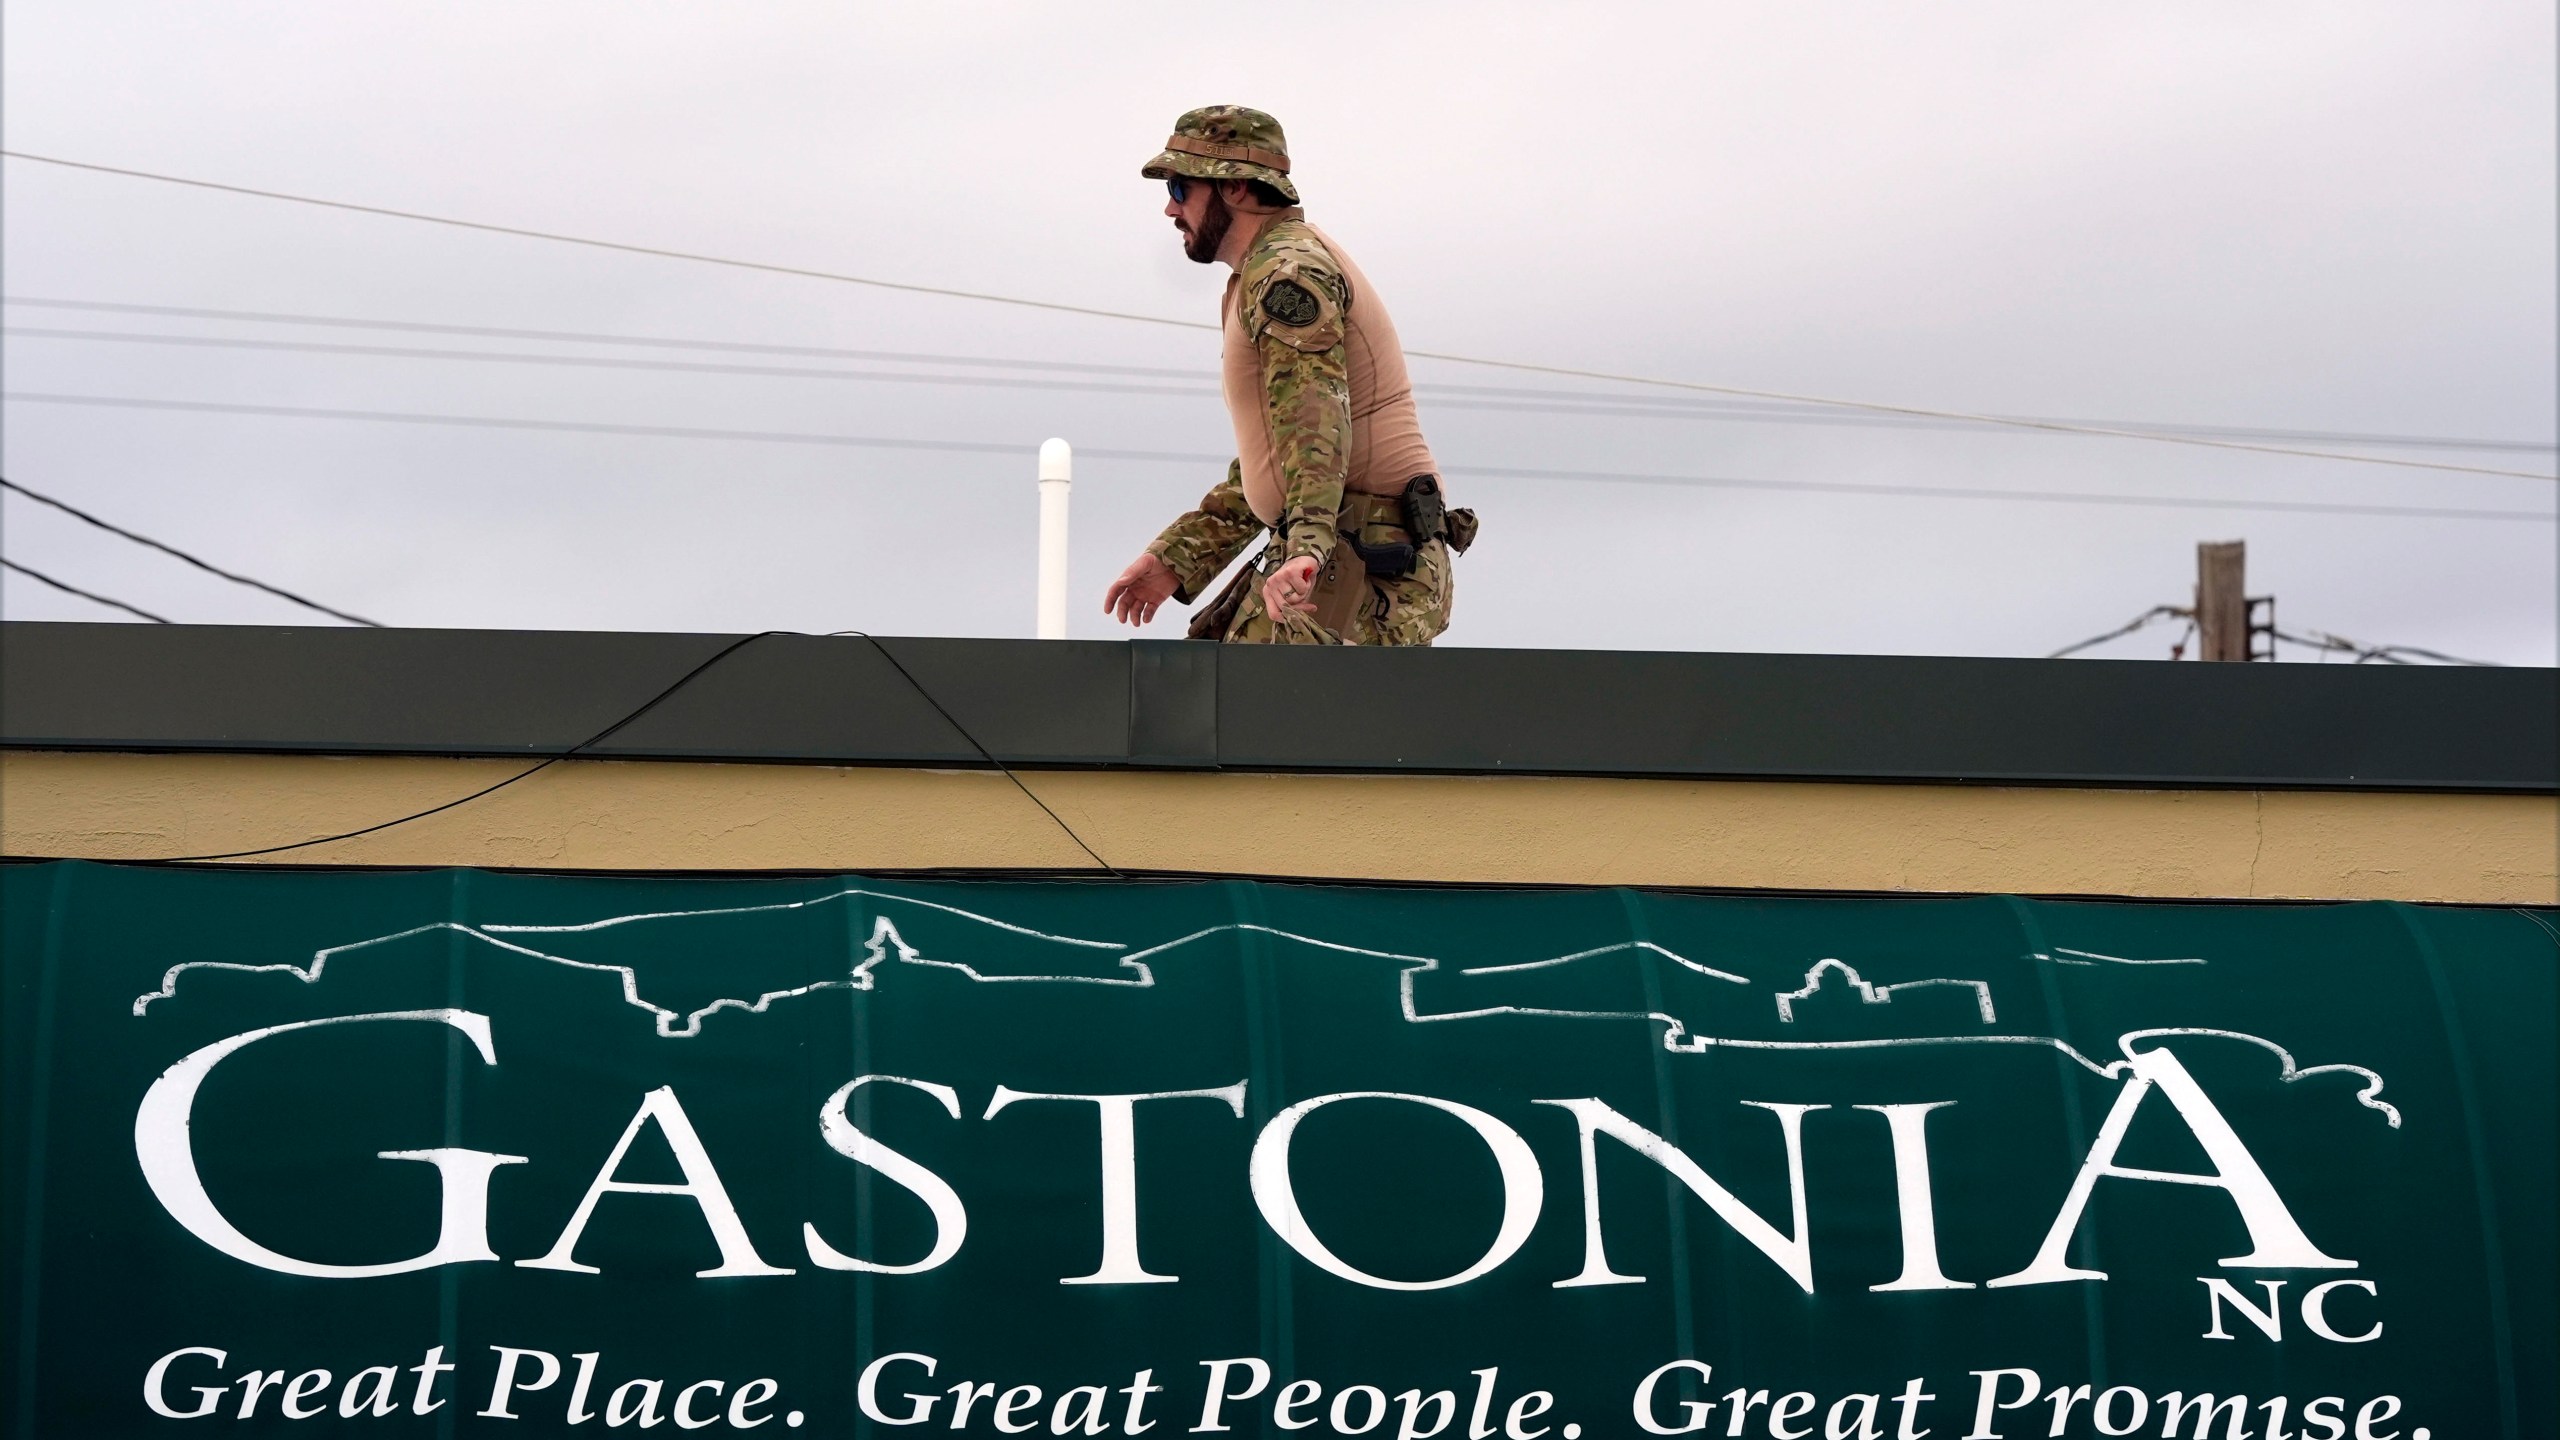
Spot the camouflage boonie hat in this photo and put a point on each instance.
(1226, 142)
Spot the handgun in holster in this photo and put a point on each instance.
(1427, 516)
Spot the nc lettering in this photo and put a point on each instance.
(2269, 1320)
(163, 1145)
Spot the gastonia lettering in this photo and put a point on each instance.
(164, 1146)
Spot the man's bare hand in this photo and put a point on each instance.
(1287, 590)
(1134, 598)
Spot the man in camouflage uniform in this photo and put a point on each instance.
(1331, 462)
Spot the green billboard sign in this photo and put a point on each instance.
(470, 1153)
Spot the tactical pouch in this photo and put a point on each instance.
(1462, 530)
(1341, 590)
(1210, 621)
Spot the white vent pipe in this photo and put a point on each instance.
(1057, 475)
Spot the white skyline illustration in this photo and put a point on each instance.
(887, 942)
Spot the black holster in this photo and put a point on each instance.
(1426, 514)
(1394, 559)
(1427, 517)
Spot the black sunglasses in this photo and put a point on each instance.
(1179, 188)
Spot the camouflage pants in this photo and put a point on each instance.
(1408, 609)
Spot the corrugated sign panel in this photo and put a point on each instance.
(467, 1153)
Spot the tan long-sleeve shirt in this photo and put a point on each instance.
(1385, 449)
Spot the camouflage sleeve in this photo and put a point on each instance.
(1199, 545)
(1296, 319)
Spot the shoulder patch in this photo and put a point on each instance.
(1289, 303)
(1297, 300)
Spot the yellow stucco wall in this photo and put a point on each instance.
(630, 815)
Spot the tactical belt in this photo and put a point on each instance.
(1342, 587)
(1419, 512)
(1361, 511)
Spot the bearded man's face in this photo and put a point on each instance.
(1203, 218)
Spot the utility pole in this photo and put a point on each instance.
(2222, 609)
(2227, 624)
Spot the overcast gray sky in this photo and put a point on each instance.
(2333, 216)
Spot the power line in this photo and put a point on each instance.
(527, 773)
(983, 752)
(498, 332)
(2066, 497)
(974, 447)
(2155, 613)
(2316, 640)
(1446, 396)
(2387, 654)
(70, 589)
(167, 549)
(2059, 427)
(1650, 409)
(1736, 412)
(578, 427)
(1504, 397)
(598, 738)
(1776, 410)
(603, 362)
(629, 249)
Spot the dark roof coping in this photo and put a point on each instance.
(1182, 705)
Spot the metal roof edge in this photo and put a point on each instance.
(1178, 705)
